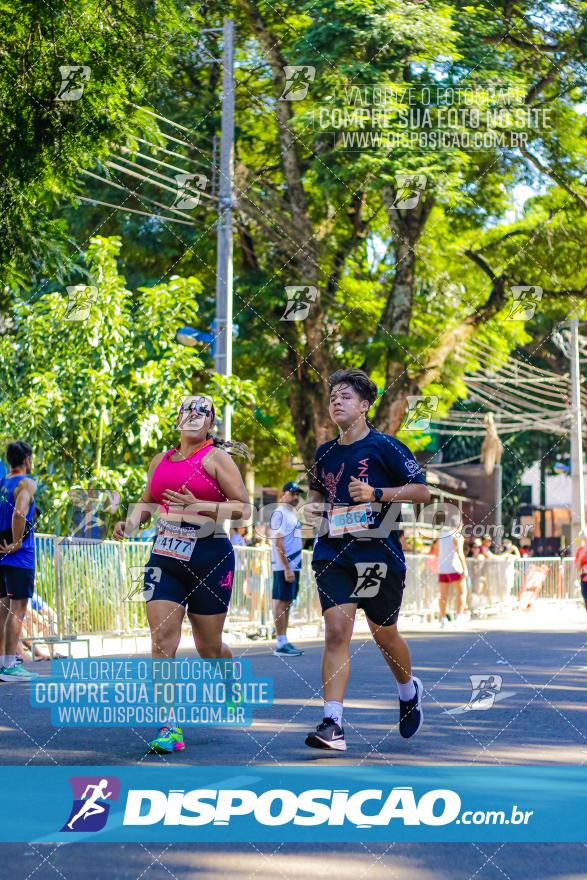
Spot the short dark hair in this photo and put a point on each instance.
(17, 452)
(358, 380)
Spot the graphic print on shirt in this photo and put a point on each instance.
(330, 482)
(363, 476)
(382, 461)
(412, 468)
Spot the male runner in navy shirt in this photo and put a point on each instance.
(359, 481)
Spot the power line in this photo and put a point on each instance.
(170, 152)
(157, 174)
(132, 210)
(111, 164)
(441, 464)
(155, 161)
(142, 197)
(522, 404)
(489, 353)
(161, 117)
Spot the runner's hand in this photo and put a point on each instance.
(179, 499)
(312, 512)
(5, 547)
(119, 531)
(289, 575)
(360, 491)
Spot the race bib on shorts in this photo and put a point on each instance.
(346, 520)
(176, 543)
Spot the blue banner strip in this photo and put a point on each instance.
(219, 804)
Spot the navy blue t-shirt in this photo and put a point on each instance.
(382, 462)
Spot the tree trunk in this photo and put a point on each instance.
(311, 422)
(407, 226)
(310, 364)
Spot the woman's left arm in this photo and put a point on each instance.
(228, 476)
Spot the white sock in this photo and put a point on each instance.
(333, 710)
(9, 660)
(406, 691)
(2, 661)
(281, 641)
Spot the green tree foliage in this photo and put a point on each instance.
(95, 390)
(399, 290)
(48, 135)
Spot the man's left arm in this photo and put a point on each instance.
(404, 472)
(416, 493)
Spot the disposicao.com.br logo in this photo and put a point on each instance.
(366, 808)
(91, 802)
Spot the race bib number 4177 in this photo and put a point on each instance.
(174, 544)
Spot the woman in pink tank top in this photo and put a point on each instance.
(193, 488)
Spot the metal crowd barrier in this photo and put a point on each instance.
(494, 584)
(88, 588)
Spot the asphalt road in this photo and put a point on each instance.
(543, 721)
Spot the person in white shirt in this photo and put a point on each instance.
(452, 569)
(286, 561)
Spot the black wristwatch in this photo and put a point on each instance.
(377, 494)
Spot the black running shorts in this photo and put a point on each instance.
(16, 582)
(375, 588)
(201, 583)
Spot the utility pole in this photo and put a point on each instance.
(498, 488)
(223, 321)
(542, 502)
(578, 489)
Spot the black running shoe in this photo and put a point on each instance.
(328, 735)
(411, 716)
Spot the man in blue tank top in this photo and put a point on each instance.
(359, 482)
(17, 556)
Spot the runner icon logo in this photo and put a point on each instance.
(409, 189)
(189, 190)
(299, 300)
(73, 81)
(91, 796)
(484, 689)
(81, 298)
(297, 81)
(143, 580)
(419, 412)
(369, 578)
(525, 300)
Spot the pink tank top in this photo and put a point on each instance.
(189, 473)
